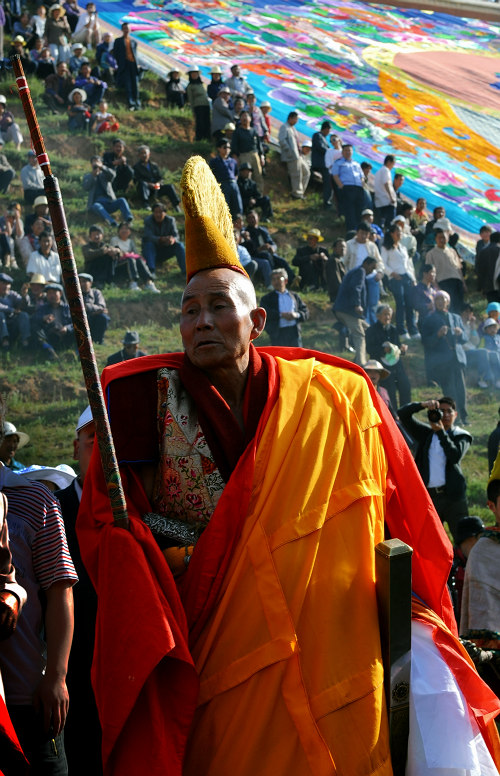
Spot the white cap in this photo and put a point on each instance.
(84, 419)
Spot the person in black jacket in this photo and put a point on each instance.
(440, 448)
(320, 146)
(148, 178)
(127, 74)
(285, 312)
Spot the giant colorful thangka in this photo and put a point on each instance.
(420, 84)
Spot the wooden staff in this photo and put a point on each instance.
(75, 300)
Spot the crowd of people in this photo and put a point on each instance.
(395, 277)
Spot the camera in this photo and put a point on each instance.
(434, 416)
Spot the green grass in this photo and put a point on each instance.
(46, 399)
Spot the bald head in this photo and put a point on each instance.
(219, 320)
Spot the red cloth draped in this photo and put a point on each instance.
(143, 675)
(12, 760)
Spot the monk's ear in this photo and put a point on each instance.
(258, 317)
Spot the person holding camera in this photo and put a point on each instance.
(441, 445)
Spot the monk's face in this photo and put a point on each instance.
(219, 319)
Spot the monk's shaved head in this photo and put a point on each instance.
(241, 284)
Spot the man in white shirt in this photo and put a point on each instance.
(87, 27)
(385, 196)
(45, 261)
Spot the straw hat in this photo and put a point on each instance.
(314, 233)
(376, 366)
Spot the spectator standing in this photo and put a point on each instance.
(297, 167)
(127, 73)
(401, 273)
(175, 90)
(34, 660)
(441, 446)
(481, 594)
(449, 273)
(32, 179)
(335, 268)
(485, 233)
(350, 306)
(237, 84)
(160, 240)
(83, 752)
(102, 200)
(320, 146)
(380, 339)
(221, 112)
(285, 312)
(216, 82)
(348, 177)
(385, 196)
(424, 293)
(443, 336)
(357, 249)
(198, 102)
(95, 307)
(225, 170)
(130, 349)
(246, 146)
(149, 182)
(58, 33)
(486, 269)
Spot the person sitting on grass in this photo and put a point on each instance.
(131, 261)
(95, 307)
(78, 111)
(100, 257)
(52, 326)
(104, 121)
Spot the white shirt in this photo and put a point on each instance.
(437, 464)
(382, 198)
(285, 305)
(331, 156)
(397, 260)
(49, 267)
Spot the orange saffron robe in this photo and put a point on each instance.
(288, 659)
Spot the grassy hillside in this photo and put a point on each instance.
(46, 399)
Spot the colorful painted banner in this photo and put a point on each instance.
(422, 85)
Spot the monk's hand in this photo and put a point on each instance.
(9, 611)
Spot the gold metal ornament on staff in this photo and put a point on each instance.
(77, 308)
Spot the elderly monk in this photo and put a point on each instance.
(237, 630)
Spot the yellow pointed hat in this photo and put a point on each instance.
(209, 229)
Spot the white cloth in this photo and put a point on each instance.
(331, 156)
(437, 464)
(444, 738)
(382, 196)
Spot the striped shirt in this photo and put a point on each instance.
(41, 557)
